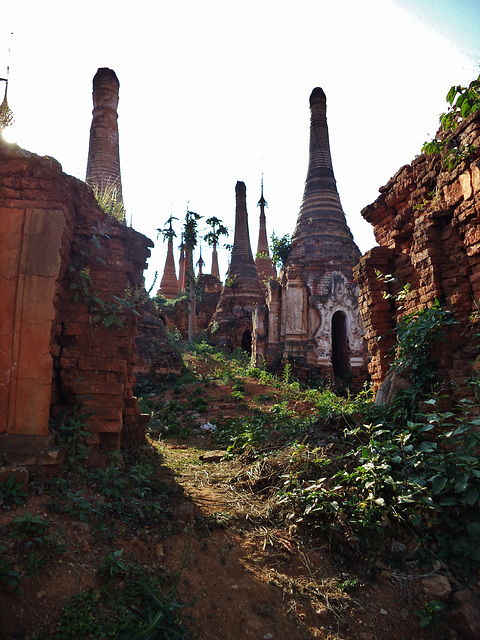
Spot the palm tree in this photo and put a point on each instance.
(189, 236)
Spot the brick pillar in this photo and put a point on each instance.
(103, 167)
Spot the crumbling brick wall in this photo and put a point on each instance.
(426, 221)
(59, 253)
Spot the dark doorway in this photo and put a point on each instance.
(247, 341)
(340, 359)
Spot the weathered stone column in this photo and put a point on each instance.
(103, 167)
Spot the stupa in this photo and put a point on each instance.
(231, 325)
(312, 315)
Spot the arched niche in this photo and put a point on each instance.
(340, 356)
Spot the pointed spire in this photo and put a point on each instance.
(200, 264)
(242, 259)
(103, 167)
(215, 270)
(169, 286)
(263, 262)
(321, 231)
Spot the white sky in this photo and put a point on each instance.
(212, 92)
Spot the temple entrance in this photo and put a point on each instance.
(247, 341)
(340, 359)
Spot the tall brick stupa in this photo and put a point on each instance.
(103, 167)
(313, 315)
(231, 325)
(169, 285)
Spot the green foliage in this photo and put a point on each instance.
(30, 547)
(463, 101)
(109, 201)
(142, 609)
(218, 229)
(72, 431)
(417, 334)
(168, 233)
(78, 505)
(112, 566)
(430, 614)
(12, 492)
(108, 313)
(9, 575)
(84, 618)
(281, 248)
(400, 472)
(189, 234)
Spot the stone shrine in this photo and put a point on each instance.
(312, 314)
(231, 325)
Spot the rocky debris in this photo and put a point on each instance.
(465, 619)
(213, 456)
(437, 588)
(20, 474)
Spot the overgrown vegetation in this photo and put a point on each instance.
(280, 247)
(110, 202)
(400, 484)
(463, 102)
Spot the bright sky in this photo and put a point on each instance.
(213, 92)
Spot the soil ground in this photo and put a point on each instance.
(242, 571)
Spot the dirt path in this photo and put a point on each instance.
(244, 568)
(251, 578)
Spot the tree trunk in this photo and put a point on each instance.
(192, 315)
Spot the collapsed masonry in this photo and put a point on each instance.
(311, 314)
(427, 223)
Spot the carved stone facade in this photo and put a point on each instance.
(427, 223)
(312, 313)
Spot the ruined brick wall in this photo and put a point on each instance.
(58, 250)
(426, 221)
(156, 357)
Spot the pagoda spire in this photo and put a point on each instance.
(103, 167)
(321, 232)
(263, 262)
(241, 262)
(200, 264)
(169, 286)
(215, 271)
